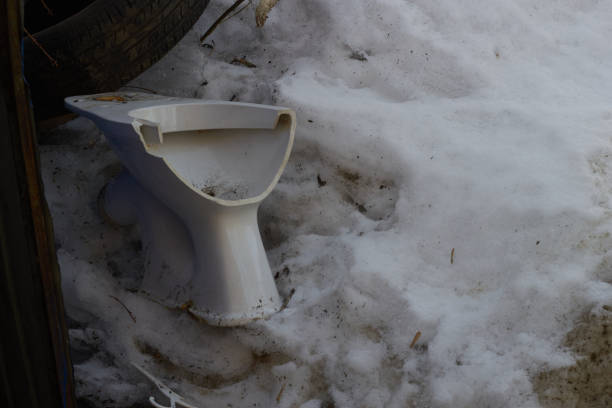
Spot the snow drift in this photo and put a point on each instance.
(424, 129)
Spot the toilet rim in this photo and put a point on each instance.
(117, 106)
(136, 124)
(120, 107)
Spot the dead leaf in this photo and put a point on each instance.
(187, 305)
(262, 10)
(110, 98)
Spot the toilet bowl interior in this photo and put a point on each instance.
(228, 159)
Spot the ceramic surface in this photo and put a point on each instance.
(196, 174)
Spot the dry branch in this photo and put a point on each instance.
(220, 19)
(31, 37)
(124, 306)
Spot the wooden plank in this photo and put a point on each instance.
(35, 367)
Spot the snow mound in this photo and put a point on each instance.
(450, 176)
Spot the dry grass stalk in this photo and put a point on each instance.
(221, 19)
(243, 61)
(280, 393)
(415, 339)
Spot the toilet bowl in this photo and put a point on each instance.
(195, 174)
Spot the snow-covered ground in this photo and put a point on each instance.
(481, 129)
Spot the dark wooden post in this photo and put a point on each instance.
(35, 367)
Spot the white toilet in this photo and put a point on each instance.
(196, 172)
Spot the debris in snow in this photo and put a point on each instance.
(124, 306)
(359, 56)
(262, 10)
(243, 61)
(415, 339)
(280, 392)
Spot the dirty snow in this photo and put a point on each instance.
(481, 129)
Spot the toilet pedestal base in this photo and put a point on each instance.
(211, 260)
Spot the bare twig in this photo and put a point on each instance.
(280, 393)
(415, 339)
(31, 37)
(49, 11)
(124, 306)
(237, 12)
(221, 19)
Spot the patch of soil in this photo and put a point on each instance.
(588, 383)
